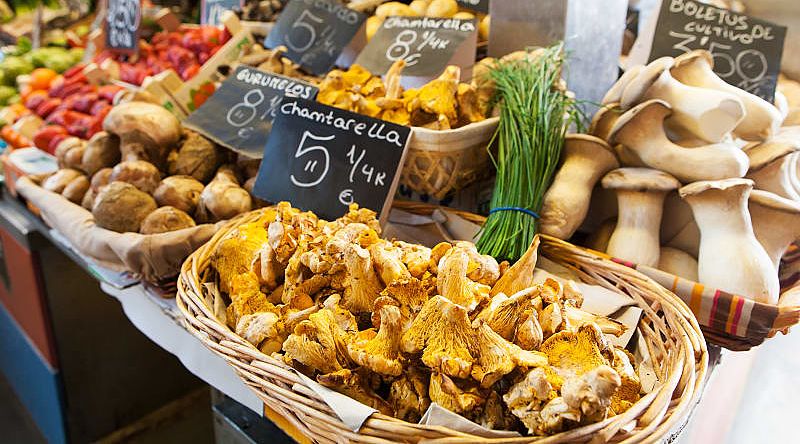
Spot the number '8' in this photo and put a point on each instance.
(401, 46)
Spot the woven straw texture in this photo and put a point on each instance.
(671, 334)
(439, 162)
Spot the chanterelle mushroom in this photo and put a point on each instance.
(497, 357)
(380, 352)
(640, 197)
(409, 394)
(447, 394)
(320, 343)
(356, 386)
(442, 332)
(453, 282)
(641, 129)
(364, 285)
(146, 131)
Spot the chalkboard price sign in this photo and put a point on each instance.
(315, 32)
(122, 25)
(239, 114)
(323, 159)
(212, 10)
(747, 51)
(481, 6)
(426, 44)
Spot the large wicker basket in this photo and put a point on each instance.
(673, 338)
(439, 162)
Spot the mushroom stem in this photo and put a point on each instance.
(762, 119)
(706, 113)
(731, 258)
(640, 197)
(585, 160)
(641, 129)
(776, 223)
(678, 262)
(776, 177)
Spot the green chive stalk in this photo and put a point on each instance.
(535, 113)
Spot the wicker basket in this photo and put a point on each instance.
(439, 162)
(672, 336)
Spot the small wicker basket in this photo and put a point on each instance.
(672, 336)
(439, 162)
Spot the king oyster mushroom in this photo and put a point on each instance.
(776, 222)
(640, 197)
(705, 113)
(762, 119)
(585, 160)
(641, 129)
(731, 258)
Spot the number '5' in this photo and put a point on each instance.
(303, 23)
(310, 165)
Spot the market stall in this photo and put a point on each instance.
(381, 221)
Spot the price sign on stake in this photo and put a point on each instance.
(211, 10)
(122, 25)
(481, 6)
(315, 32)
(747, 51)
(426, 44)
(323, 159)
(239, 114)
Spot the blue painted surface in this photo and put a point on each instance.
(36, 384)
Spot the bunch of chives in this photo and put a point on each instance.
(535, 114)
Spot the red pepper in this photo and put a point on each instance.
(84, 102)
(34, 100)
(47, 107)
(74, 70)
(45, 134)
(99, 108)
(58, 138)
(190, 72)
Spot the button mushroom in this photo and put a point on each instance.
(706, 113)
(776, 223)
(762, 119)
(146, 131)
(641, 129)
(640, 197)
(731, 258)
(585, 160)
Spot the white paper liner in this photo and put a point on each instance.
(437, 415)
(352, 413)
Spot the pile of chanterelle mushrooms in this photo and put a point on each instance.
(398, 326)
(674, 131)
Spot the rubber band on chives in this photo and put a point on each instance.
(530, 213)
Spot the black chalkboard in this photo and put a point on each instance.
(747, 51)
(481, 6)
(315, 32)
(122, 25)
(211, 10)
(239, 114)
(426, 44)
(322, 159)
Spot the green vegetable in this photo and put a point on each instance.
(57, 59)
(6, 93)
(534, 116)
(24, 45)
(14, 66)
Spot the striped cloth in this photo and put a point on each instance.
(729, 314)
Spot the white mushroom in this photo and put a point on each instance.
(678, 262)
(762, 119)
(641, 129)
(731, 258)
(614, 94)
(640, 198)
(777, 177)
(776, 223)
(598, 240)
(585, 160)
(706, 113)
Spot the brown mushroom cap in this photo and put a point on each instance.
(604, 119)
(589, 146)
(696, 56)
(640, 179)
(785, 142)
(705, 185)
(614, 94)
(154, 121)
(643, 115)
(638, 87)
(774, 202)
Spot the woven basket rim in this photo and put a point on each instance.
(681, 351)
